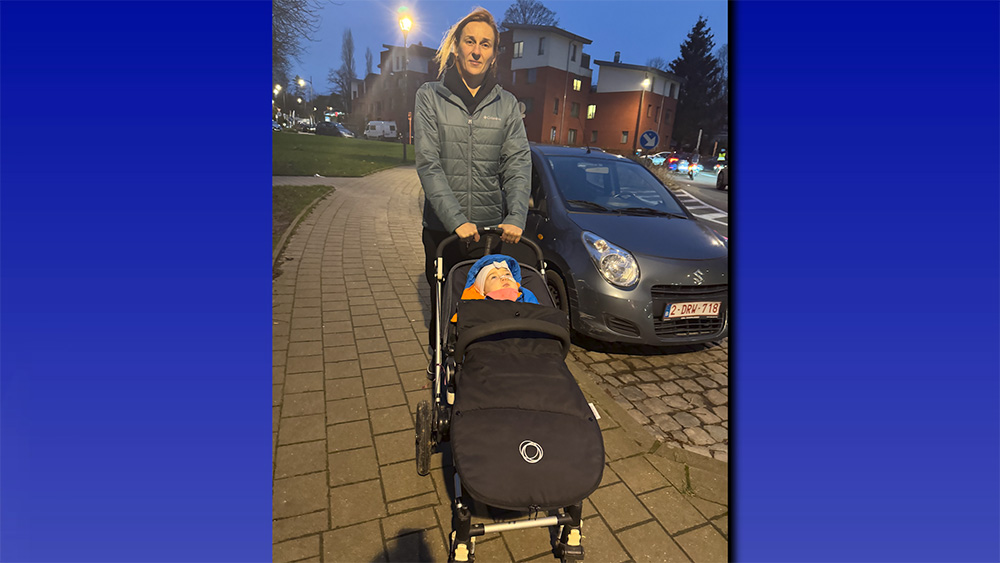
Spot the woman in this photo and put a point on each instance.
(471, 149)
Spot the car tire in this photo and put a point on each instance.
(557, 290)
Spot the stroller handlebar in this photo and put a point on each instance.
(490, 232)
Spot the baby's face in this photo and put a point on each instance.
(499, 278)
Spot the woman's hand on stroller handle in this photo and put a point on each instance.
(467, 231)
(511, 234)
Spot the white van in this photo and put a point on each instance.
(385, 130)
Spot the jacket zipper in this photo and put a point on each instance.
(469, 187)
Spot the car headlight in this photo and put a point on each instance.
(617, 265)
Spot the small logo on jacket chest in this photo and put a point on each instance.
(491, 118)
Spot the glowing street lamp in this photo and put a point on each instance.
(642, 94)
(405, 23)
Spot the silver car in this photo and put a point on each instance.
(626, 259)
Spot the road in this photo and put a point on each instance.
(701, 198)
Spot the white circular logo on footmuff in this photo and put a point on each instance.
(531, 451)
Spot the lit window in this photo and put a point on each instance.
(518, 49)
(577, 84)
(591, 111)
(624, 137)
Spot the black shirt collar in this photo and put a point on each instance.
(453, 81)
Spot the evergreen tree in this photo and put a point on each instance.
(699, 104)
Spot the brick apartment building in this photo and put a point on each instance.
(546, 69)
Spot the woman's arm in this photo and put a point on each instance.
(428, 157)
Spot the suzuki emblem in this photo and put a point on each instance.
(698, 277)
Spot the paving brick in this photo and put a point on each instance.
(599, 544)
(408, 522)
(527, 543)
(337, 370)
(639, 475)
(309, 322)
(348, 436)
(722, 524)
(351, 504)
(415, 362)
(672, 510)
(492, 550)
(364, 332)
(704, 544)
(401, 481)
(302, 364)
(300, 404)
(277, 394)
(346, 410)
(392, 419)
(366, 320)
(400, 335)
(300, 459)
(298, 526)
(422, 546)
(372, 345)
(717, 433)
(699, 437)
(303, 382)
(295, 550)
(305, 348)
(345, 388)
(301, 429)
(395, 447)
(388, 396)
(352, 466)
(340, 353)
(650, 543)
(337, 327)
(409, 348)
(708, 508)
(408, 504)
(619, 507)
(299, 495)
(377, 377)
(716, 397)
(617, 444)
(376, 360)
(279, 358)
(358, 543)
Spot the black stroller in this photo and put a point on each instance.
(523, 436)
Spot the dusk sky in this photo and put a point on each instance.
(641, 30)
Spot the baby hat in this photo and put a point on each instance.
(480, 284)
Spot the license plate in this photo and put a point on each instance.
(697, 309)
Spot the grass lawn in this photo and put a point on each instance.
(287, 202)
(307, 155)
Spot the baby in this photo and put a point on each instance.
(498, 277)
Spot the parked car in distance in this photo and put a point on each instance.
(626, 259)
(383, 130)
(333, 129)
(659, 158)
(722, 181)
(275, 126)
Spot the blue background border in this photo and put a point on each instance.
(135, 390)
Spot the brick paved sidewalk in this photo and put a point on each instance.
(349, 325)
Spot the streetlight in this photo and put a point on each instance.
(404, 24)
(302, 84)
(277, 89)
(642, 94)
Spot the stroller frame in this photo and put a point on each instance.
(433, 422)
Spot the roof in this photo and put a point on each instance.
(550, 28)
(556, 150)
(412, 47)
(663, 73)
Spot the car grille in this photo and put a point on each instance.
(680, 328)
(621, 325)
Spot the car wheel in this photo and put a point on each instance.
(557, 289)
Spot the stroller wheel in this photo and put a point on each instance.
(423, 438)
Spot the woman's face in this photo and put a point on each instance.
(475, 50)
(499, 278)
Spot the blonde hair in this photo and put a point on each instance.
(450, 41)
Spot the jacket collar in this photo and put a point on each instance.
(491, 94)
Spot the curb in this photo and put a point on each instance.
(280, 247)
(635, 431)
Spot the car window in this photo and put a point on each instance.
(611, 184)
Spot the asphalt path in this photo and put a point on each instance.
(702, 199)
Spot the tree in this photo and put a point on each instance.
(528, 12)
(343, 77)
(658, 62)
(368, 61)
(291, 22)
(699, 104)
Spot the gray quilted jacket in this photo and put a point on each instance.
(473, 168)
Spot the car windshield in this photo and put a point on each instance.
(611, 186)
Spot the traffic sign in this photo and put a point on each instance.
(649, 140)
